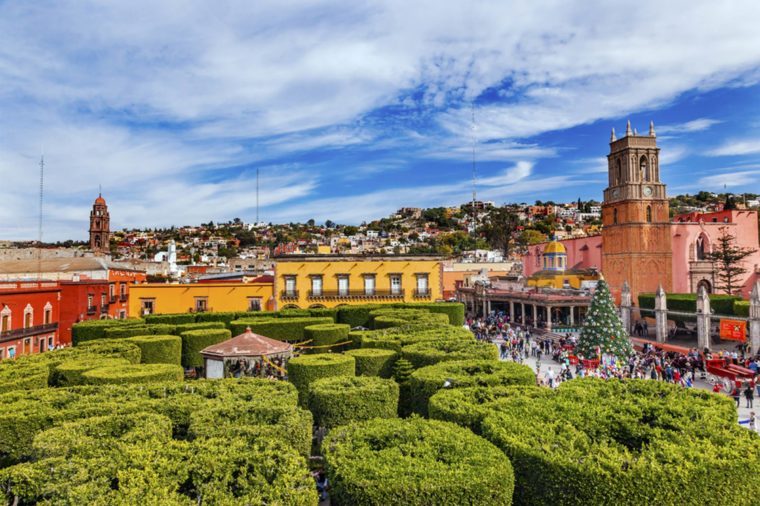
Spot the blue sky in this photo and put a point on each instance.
(351, 110)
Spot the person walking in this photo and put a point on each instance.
(749, 394)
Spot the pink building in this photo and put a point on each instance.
(693, 235)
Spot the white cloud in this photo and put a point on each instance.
(747, 180)
(695, 125)
(737, 147)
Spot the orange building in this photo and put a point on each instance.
(29, 316)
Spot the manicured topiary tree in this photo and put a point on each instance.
(165, 349)
(112, 348)
(374, 361)
(344, 399)
(306, 369)
(595, 441)
(70, 373)
(325, 334)
(602, 329)
(431, 352)
(95, 329)
(142, 373)
(23, 375)
(414, 462)
(282, 329)
(193, 341)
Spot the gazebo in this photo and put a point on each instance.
(246, 355)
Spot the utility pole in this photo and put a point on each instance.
(257, 196)
(39, 224)
(474, 174)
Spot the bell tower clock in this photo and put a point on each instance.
(636, 233)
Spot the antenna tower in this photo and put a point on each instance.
(474, 173)
(257, 195)
(39, 224)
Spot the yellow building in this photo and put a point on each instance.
(329, 281)
(555, 272)
(197, 297)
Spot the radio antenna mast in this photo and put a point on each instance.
(39, 224)
(474, 173)
(257, 195)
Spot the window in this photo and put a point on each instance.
(50, 343)
(147, 306)
(422, 284)
(2, 353)
(5, 320)
(619, 172)
(90, 300)
(395, 284)
(290, 286)
(649, 214)
(48, 316)
(369, 284)
(254, 303)
(103, 301)
(123, 290)
(27, 320)
(122, 314)
(11, 351)
(614, 216)
(343, 285)
(316, 286)
(201, 304)
(111, 291)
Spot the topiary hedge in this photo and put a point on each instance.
(70, 373)
(306, 369)
(344, 399)
(142, 373)
(184, 327)
(324, 312)
(282, 329)
(414, 462)
(454, 310)
(193, 341)
(172, 319)
(158, 349)
(687, 303)
(636, 442)
(467, 373)
(741, 308)
(431, 352)
(469, 406)
(326, 334)
(124, 332)
(397, 338)
(23, 375)
(356, 316)
(113, 348)
(95, 329)
(374, 361)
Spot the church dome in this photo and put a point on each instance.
(100, 200)
(555, 247)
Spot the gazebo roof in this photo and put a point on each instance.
(247, 344)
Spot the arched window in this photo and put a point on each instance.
(644, 168)
(649, 214)
(702, 247)
(618, 172)
(614, 216)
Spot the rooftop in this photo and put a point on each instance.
(247, 344)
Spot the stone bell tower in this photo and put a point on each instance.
(636, 234)
(100, 227)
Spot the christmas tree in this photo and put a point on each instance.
(602, 330)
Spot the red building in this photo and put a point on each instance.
(29, 317)
(84, 300)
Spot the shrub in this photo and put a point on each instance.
(387, 322)
(397, 338)
(343, 399)
(159, 349)
(431, 352)
(326, 334)
(142, 373)
(172, 319)
(94, 329)
(306, 369)
(454, 310)
(162, 328)
(467, 373)
(184, 327)
(222, 316)
(124, 332)
(23, 375)
(469, 406)
(282, 329)
(741, 308)
(294, 313)
(69, 373)
(322, 312)
(414, 462)
(193, 341)
(113, 348)
(608, 438)
(374, 361)
(356, 316)
(687, 303)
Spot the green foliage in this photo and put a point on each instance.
(158, 349)
(402, 371)
(23, 375)
(469, 406)
(398, 337)
(294, 313)
(184, 327)
(113, 348)
(635, 442)
(326, 334)
(70, 373)
(282, 329)
(741, 308)
(95, 329)
(356, 316)
(467, 373)
(431, 352)
(171, 319)
(454, 310)
(124, 332)
(222, 316)
(414, 462)
(603, 328)
(388, 321)
(306, 369)
(374, 361)
(142, 373)
(687, 303)
(344, 399)
(322, 312)
(193, 341)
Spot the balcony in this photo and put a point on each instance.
(113, 299)
(92, 309)
(423, 293)
(27, 332)
(289, 295)
(103, 308)
(123, 297)
(356, 294)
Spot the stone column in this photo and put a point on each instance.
(703, 319)
(548, 311)
(660, 315)
(625, 307)
(754, 318)
(572, 316)
(485, 313)
(488, 305)
(522, 312)
(512, 310)
(535, 315)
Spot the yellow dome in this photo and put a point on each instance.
(555, 247)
